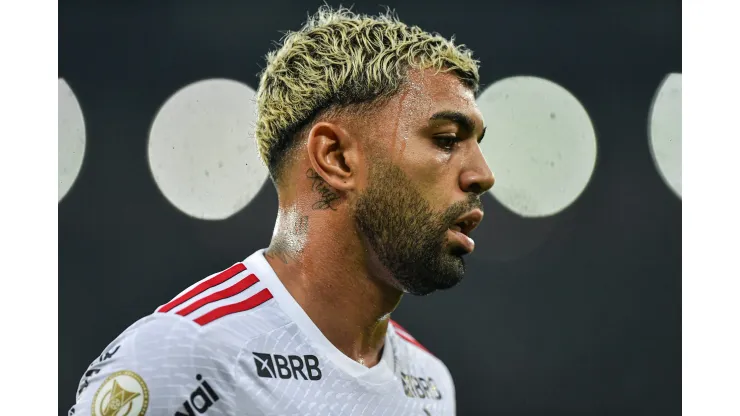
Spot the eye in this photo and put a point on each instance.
(446, 143)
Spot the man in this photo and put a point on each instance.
(370, 131)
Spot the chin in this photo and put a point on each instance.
(451, 275)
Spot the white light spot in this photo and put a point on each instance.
(665, 131)
(71, 138)
(540, 145)
(202, 151)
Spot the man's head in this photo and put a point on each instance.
(385, 117)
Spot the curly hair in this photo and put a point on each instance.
(342, 61)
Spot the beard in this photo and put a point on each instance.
(408, 237)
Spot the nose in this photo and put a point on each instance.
(477, 176)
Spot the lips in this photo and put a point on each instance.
(462, 227)
(468, 222)
(462, 240)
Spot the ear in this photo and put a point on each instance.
(333, 154)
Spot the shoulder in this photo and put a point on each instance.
(231, 291)
(187, 348)
(233, 302)
(422, 367)
(157, 362)
(406, 336)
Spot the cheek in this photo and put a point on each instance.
(435, 180)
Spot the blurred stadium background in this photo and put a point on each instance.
(572, 301)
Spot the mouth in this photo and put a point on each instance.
(463, 226)
(468, 222)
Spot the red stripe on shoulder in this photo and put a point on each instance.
(203, 286)
(250, 303)
(230, 291)
(404, 334)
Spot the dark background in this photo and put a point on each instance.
(587, 321)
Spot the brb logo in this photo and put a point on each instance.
(421, 387)
(285, 367)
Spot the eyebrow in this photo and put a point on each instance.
(463, 120)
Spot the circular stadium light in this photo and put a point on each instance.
(665, 131)
(540, 144)
(71, 143)
(202, 152)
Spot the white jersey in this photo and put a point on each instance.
(237, 343)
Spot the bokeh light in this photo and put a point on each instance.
(202, 152)
(540, 144)
(72, 138)
(665, 132)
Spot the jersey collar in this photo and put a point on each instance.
(380, 373)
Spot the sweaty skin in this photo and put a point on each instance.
(365, 212)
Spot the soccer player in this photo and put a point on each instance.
(371, 133)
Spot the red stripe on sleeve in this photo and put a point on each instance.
(394, 323)
(404, 334)
(259, 298)
(230, 291)
(203, 286)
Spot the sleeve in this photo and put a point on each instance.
(449, 384)
(162, 365)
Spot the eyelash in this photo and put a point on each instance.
(446, 139)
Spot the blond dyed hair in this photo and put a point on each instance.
(342, 61)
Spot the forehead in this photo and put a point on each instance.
(427, 93)
(409, 111)
(440, 84)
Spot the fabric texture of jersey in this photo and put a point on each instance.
(237, 343)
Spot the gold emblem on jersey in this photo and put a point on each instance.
(123, 393)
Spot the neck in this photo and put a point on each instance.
(325, 266)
